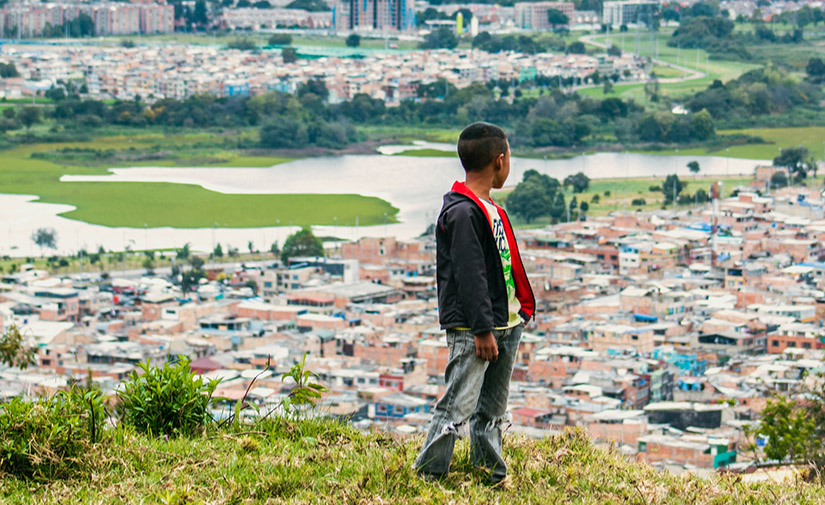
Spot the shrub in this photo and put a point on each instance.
(48, 438)
(654, 189)
(171, 400)
(638, 201)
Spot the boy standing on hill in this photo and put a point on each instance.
(484, 298)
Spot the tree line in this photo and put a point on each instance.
(551, 119)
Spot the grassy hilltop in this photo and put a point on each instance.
(328, 462)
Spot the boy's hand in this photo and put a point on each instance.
(486, 347)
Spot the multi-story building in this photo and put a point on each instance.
(533, 15)
(629, 12)
(116, 18)
(254, 19)
(373, 15)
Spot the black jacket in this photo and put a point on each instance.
(471, 289)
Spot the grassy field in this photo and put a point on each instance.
(428, 153)
(321, 462)
(410, 133)
(176, 205)
(812, 137)
(618, 194)
(298, 40)
(655, 46)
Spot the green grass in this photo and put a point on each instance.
(323, 462)
(410, 133)
(428, 153)
(657, 45)
(176, 205)
(623, 191)
(811, 137)
(298, 40)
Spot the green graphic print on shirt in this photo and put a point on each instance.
(503, 246)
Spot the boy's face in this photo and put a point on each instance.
(502, 168)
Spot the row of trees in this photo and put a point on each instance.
(305, 119)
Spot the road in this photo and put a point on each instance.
(691, 74)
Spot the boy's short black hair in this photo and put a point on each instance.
(479, 144)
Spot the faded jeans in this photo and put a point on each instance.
(476, 390)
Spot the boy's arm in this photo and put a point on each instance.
(467, 258)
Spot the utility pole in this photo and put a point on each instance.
(674, 193)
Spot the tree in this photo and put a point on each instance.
(693, 166)
(792, 159)
(29, 116)
(45, 237)
(779, 180)
(183, 252)
(701, 125)
(558, 210)
(196, 262)
(443, 38)
(218, 251)
(274, 249)
(792, 424)
(280, 39)
(607, 87)
(614, 50)
(200, 16)
(530, 200)
(577, 47)
(13, 349)
(289, 54)
(353, 40)
(301, 243)
(672, 185)
(580, 182)
(557, 18)
(815, 69)
(584, 207)
(8, 70)
(315, 86)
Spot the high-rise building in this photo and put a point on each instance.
(533, 15)
(115, 18)
(374, 15)
(629, 12)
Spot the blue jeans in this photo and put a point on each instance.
(476, 390)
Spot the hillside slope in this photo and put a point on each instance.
(327, 462)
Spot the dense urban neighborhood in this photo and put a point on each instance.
(663, 332)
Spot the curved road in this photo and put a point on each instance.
(691, 73)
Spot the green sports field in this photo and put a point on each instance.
(137, 205)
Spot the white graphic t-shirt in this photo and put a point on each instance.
(503, 246)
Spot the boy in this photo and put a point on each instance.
(484, 298)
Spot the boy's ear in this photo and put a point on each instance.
(498, 162)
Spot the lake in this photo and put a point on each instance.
(413, 184)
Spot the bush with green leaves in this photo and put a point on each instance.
(168, 400)
(47, 438)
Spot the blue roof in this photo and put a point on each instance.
(820, 265)
(645, 318)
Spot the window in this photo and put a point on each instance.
(774, 343)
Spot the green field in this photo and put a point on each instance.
(298, 40)
(655, 46)
(428, 153)
(812, 137)
(623, 191)
(177, 205)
